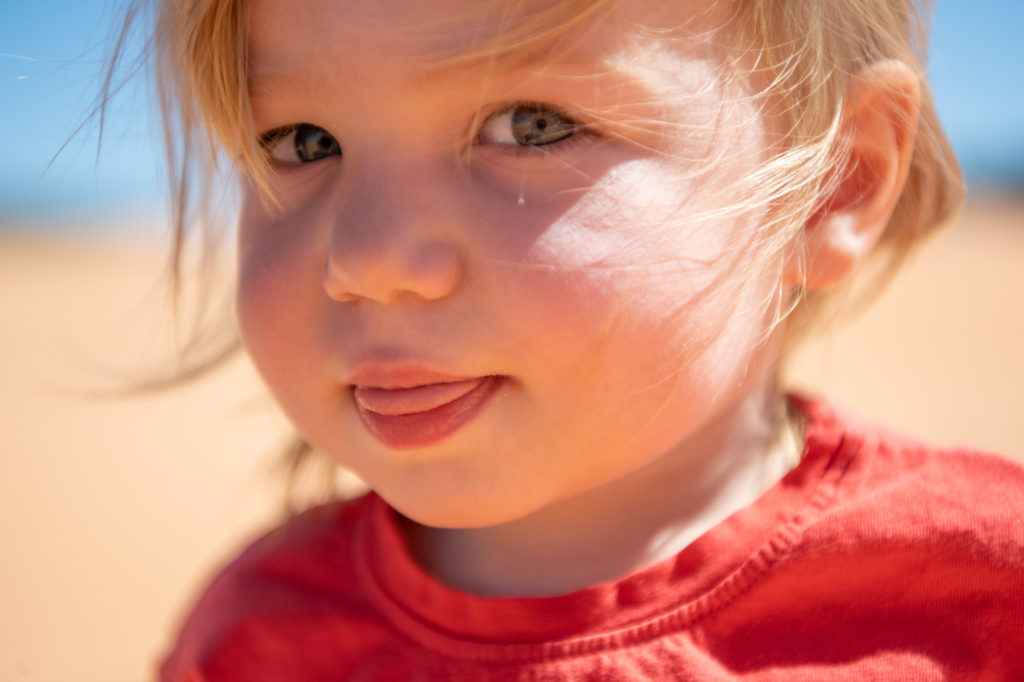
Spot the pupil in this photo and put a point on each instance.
(542, 123)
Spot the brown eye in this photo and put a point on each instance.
(301, 143)
(528, 125)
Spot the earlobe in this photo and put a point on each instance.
(879, 122)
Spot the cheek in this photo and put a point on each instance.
(275, 316)
(639, 287)
(625, 254)
(608, 295)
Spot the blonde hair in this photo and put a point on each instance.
(810, 50)
(805, 52)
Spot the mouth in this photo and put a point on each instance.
(410, 417)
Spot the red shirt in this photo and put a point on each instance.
(877, 558)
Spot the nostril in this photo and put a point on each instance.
(337, 285)
(436, 271)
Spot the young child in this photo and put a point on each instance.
(529, 269)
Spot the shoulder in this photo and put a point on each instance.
(898, 494)
(880, 457)
(310, 550)
(296, 567)
(951, 481)
(906, 553)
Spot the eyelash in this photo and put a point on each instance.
(580, 132)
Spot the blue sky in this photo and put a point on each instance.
(51, 54)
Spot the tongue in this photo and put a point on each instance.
(396, 401)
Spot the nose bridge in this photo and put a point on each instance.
(389, 236)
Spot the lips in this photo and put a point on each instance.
(403, 414)
(399, 401)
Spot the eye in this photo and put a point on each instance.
(300, 143)
(528, 125)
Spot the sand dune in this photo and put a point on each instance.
(112, 511)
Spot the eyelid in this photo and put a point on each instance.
(276, 134)
(535, 104)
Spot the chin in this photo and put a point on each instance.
(444, 510)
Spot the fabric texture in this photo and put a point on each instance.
(877, 558)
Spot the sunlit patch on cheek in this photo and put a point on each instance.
(618, 260)
(643, 249)
(638, 215)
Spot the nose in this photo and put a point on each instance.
(387, 247)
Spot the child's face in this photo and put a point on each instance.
(597, 311)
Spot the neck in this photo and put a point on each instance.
(622, 526)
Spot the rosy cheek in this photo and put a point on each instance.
(270, 303)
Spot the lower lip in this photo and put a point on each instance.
(422, 429)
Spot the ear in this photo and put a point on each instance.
(879, 122)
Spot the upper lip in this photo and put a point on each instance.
(403, 376)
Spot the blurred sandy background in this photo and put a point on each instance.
(112, 512)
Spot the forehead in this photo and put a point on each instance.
(411, 29)
(294, 36)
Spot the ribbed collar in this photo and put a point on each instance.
(669, 595)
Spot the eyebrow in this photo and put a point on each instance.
(284, 82)
(457, 67)
(262, 84)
